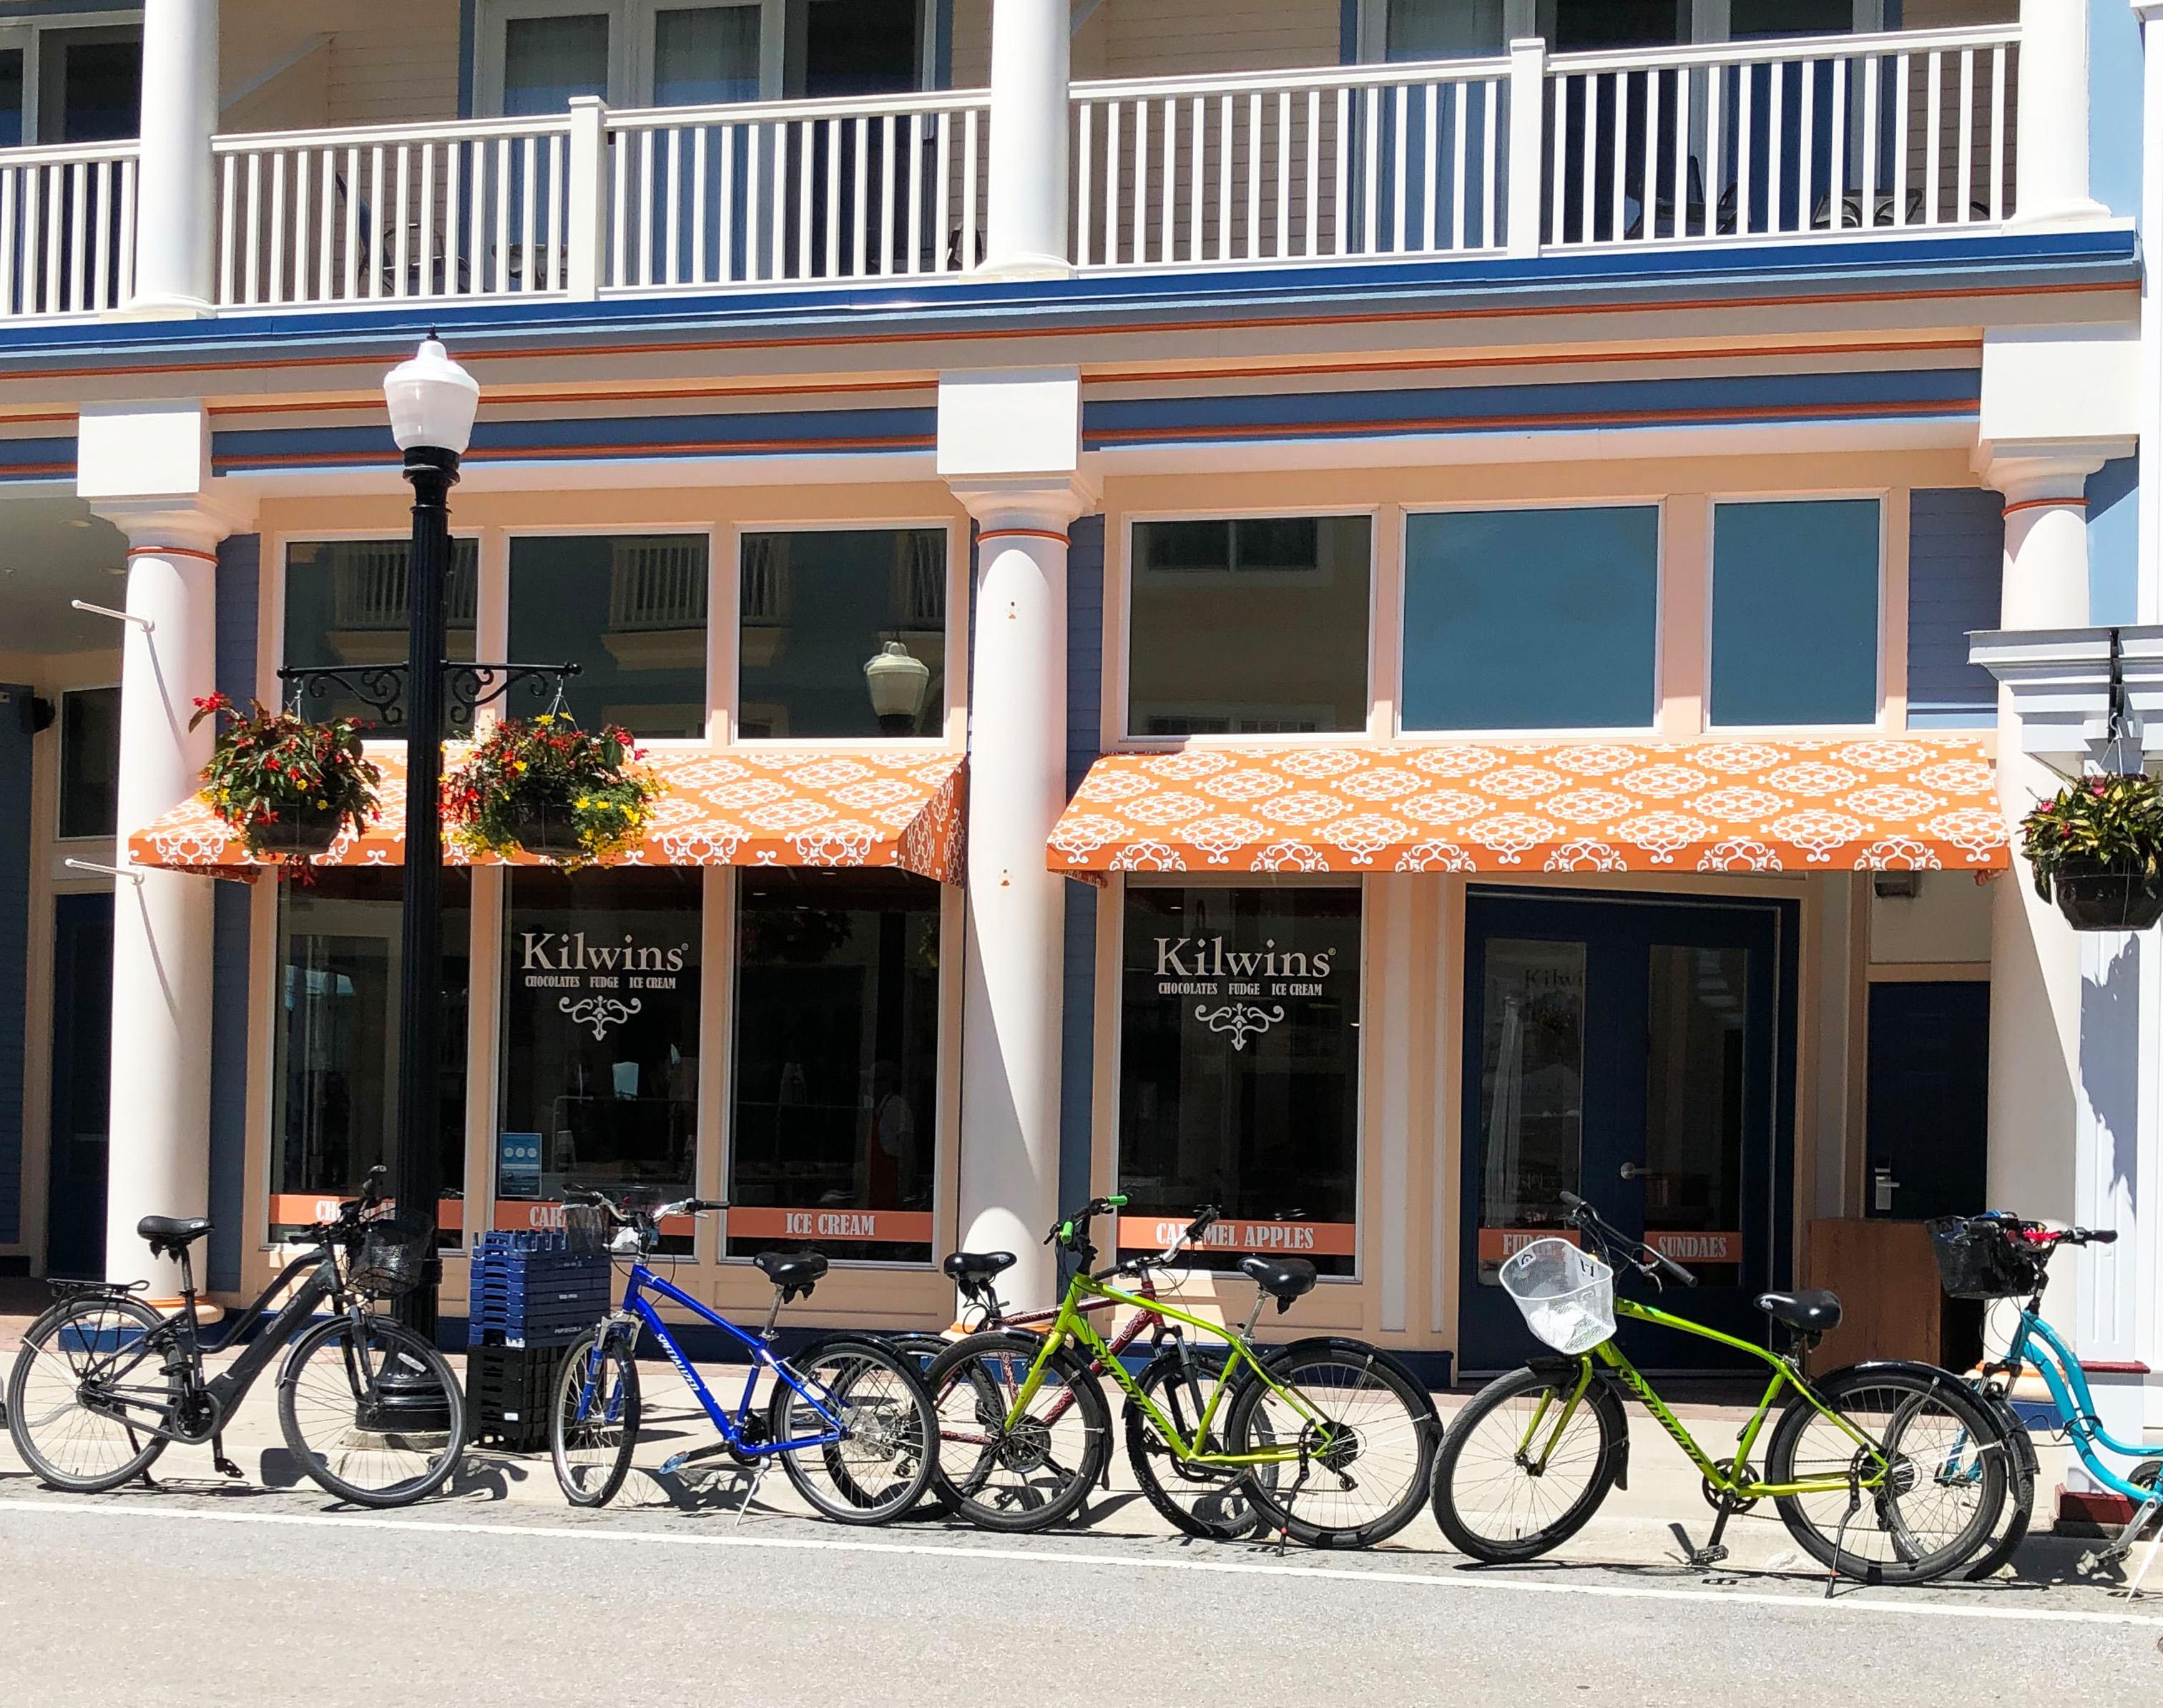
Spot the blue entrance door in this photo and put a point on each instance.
(1929, 1098)
(82, 1023)
(1636, 1051)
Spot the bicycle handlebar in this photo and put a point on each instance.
(597, 1199)
(1647, 1260)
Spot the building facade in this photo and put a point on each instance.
(1432, 544)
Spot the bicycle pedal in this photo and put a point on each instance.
(1712, 1556)
(674, 1463)
(228, 1468)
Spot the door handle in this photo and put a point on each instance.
(1632, 1171)
(1883, 1187)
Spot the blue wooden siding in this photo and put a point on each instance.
(1077, 1025)
(239, 584)
(1955, 559)
(14, 945)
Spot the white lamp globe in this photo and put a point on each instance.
(432, 401)
(897, 681)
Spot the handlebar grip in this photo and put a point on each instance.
(698, 1207)
(582, 1195)
(1571, 1201)
(2102, 1236)
(1205, 1220)
(1673, 1270)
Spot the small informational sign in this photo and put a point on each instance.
(518, 1166)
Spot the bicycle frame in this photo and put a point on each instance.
(2061, 1373)
(1722, 1482)
(637, 1308)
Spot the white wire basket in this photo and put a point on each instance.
(1566, 1295)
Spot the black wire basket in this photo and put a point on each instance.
(393, 1254)
(1978, 1259)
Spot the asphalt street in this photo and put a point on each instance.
(241, 1595)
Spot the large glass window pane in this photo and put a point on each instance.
(1240, 1070)
(335, 1113)
(547, 60)
(11, 98)
(1444, 29)
(601, 1039)
(705, 54)
(1532, 1092)
(1747, 19)
(629, 610)
(1795, 612)
(346, 603)
(1531, 619)
(1211, 603)
(833, 1137)
(1695, 1079)
(89, 83)
(821, 606)
(89, 762)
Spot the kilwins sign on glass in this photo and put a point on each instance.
(602, 979)
(1244, 991)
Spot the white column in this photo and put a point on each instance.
(2148, 1248)
(2050, 134)
(175, 189)
(159, 1150)
(1025, 202)
(1009, 1173)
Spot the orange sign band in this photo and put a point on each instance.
(889, 1226)
(1238, 1234)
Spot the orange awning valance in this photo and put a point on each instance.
(1865, 803)
(734, 806)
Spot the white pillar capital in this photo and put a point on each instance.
(1020, 502)
(157, 525)
(1026, 197)
(2043, 471)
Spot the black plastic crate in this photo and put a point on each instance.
(509, 1390)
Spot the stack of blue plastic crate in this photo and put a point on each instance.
(533, 1294)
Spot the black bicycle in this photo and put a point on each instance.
(370, 1409)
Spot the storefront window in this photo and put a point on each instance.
(601, 1039)
(1532, 1092)
(1211, 602)
(335, 1114)
(1795, 612)
(821, 606)
(1531, 619)
(346, 603)
(834, 1135)
(1239, 1070)
(629, 610)
(89, 762)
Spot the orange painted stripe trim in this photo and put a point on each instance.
(1022, 534)
(2038, 503)
(172, 552)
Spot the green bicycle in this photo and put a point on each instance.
(1853, 1463)
(1330, 1440)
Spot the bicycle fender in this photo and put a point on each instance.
(2016, 1433)
(1361, 1351)
(1600, 1392)
(1900, 1367)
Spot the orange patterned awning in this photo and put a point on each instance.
(1870, 803)
(733, 806)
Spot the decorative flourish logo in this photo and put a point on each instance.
(1240, 1019)
(600, 1012)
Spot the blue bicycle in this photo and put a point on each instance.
(850, 1420)
(1997, 1256)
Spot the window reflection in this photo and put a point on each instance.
(1795, 612)
(629, 610)
(346, 603)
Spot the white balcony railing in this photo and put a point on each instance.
(1727, 143)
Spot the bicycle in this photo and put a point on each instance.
(1195, 1500)
(370, 1410)
(1997, 1256)
(854, 1402)
(1329, 1421)
(1529, 1460)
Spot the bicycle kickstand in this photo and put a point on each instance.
(2128, 1537)
(135, 1446)
(758, 1476)
(1840, 1539)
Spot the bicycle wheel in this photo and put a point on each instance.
(1366, 1431)
(371, 1411)
(1508, 1485)
(1208, 1502)
(2021, 1470)
(922, 1349)
(889, 1431)
(1037, 1472)
(83, 1386)
(1918, 1498)
(593, 1427)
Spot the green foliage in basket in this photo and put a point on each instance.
(548, 764)
(267, 768)
(2106, 824)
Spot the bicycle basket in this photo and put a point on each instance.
(394, 1249)
(1978, 1259)
(1566, 1295)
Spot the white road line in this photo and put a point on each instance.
(1842, 1605)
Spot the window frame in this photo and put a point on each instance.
(1113, 1036)
(1661, 542)
(59, 769)
(1121, 688)
(1881, 497)
(1709, 23)
(26, 34)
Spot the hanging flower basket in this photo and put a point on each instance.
(2097, 850)
(575, 797)
(287, 787)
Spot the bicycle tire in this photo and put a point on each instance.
(970, 1382)
(891, 1423)
(1327, 1374)
(1220, 1510)
(1901, 1523)
(937, 1501)
(608, 1428)
(1454, 1497)
(417, 1362)
(2021, 1470)
(26, 1413)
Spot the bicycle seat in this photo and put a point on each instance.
(1812, 1310)
(795, 1271)
(175, 1231)
(977, 1267)
(1282, 1278)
